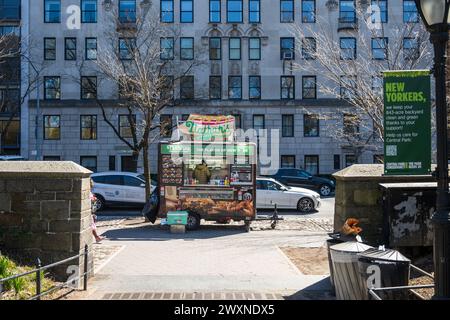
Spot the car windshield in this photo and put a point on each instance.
(141, 176)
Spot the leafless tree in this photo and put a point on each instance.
(355, 76)
(12, 96)
(145, 74)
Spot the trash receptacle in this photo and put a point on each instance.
(347, 280)
(330, 243)
(393, 272)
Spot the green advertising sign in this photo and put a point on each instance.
(407, 122)
(215, 150)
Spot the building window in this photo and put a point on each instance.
(308, 11)
(254, 87)
(234, 87)
(410, 49)
(309, 87)
(254, 49)
(125, 123)
(187, 87)
(347, 12)
(89, 162)
(383, 6)
(312, 164)
(287, 87)
(234, 11)
(351, 124)
(127, 11)
(91, 48)
(166, 11)
(237, 121)
(215, 87)
(287, 161)
(167, 88)
(311, 125)
(88, 87)
(410, 14)
(165, 121)
(126, 48)
(235, 49)
(52, 127)
(287, 46)
(348, 48)
(215, 48)
(49, 48)
(259, 122)
(379, 48)
(88, 127)
(286, 10)
(350, 159)
(377, 84)
(70, 48)
(186, 11)
(112, 163)
(52, 11)
(52, 88)
(9, 9)
(214, 11)
(254, 11)
(287, 125)
(348, 87)
(308, 48)
(88, 11)
(337, 162)
(187, 48)
(167, 46)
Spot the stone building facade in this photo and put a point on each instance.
(252, 36)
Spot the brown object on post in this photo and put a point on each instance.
(350, 228)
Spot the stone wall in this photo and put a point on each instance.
(358, 195)
(45, 211)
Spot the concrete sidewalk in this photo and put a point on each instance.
(211, 261)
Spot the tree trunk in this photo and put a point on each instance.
(148, 186)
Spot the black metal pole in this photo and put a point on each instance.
(38, 278)
(441, 219)
(85, 278)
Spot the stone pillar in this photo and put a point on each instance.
(358, 195)
(45, 212)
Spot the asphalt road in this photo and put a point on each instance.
(326, 210)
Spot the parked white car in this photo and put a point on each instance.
(270, 191)
(115, 188)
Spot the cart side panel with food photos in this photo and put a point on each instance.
(214, 180)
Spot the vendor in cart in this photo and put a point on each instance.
(201, 173)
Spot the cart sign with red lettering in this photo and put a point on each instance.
(407, 122)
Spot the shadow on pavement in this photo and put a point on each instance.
(162, 233)
(320, 290)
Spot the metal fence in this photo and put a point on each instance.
(374, 295)
(38, 271)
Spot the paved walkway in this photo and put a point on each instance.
(148, 262)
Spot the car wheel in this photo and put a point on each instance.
(193, 221)
(305, 205)
(100, 203)
(325, 190)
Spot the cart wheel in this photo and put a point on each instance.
(247, 226)
(193, 221)
(273, 224)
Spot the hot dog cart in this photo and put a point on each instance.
(227, 187)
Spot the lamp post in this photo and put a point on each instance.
(434, 14)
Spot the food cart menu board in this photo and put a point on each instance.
(241, 174)
(207, 194)
(172, 173)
